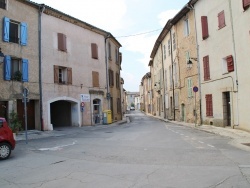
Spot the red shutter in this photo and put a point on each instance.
(230, 63)
(206, 68)
(94, 50)
(246, 4)
(56, 74)
(209, 105)
(95, 79)
(204, 26)
(221, 19)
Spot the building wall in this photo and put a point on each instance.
(218, 46)
(241, 35)
(78, 57)
(12, 90)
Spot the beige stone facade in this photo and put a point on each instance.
(20, 69)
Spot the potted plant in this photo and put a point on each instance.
(15, 123)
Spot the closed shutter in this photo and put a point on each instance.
(246, 4)
(56, 74)
(94, 50)
(6, 29)
(61, 42)
(7, 68)
(230, 63)
(111, 78)
(69, 76)
(24, 34)
(95, 79)
(25, 70)
(204, 26)
(209, 105)
(206, 68)
(221, 19)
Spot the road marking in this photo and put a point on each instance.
(56, 148)
(201, 142)
(211, 146)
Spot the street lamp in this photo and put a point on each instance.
(1, 56)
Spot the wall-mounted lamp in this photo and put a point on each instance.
(1, 56)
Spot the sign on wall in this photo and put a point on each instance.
(85, 97)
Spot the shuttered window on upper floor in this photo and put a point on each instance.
(117, 79)
(15, 32)
(230, 63)
(221, 20)
(62, 42)
(95, 79)
(204, 27)
(16, 69)
(3, 4)
(206, 68)
(62, 75)
(111, 77)
(246, 4)
(94, 50)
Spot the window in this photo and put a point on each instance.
(14, 31)
(16, 69)
(166, 79)
(118, 105)
(186, 27)
(164, 51)
(3, 4)
(188, 59)
(109, 47)
(62, 75)
(209, 105)
(174, 42)
(206, 68)
(111, 77)
(221, 20)
(170, 77)
(62, 42)
(95, 79)
(176, 100)
(246, 4)
(116, 56)
(227, 64)
(169, 47)
(190, 87)
(94, 50)
(117, 81)
(204, 27)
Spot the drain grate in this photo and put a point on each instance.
(246, 144)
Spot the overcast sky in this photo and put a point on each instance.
(136, 24)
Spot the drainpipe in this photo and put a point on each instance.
(41, 9)
(107, 71)
(163, 77)
(172, 65)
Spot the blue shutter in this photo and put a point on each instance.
(25, 71)
(24, 34)
(7, 68)
(6, 29)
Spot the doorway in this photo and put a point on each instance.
(226, 108)
(96, 110)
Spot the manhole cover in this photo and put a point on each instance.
(246, 144)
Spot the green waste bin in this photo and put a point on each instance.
(107, 117)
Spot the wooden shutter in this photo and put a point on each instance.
(7, 68)
(246, 4)
(209, 105)
(111, 78)
(230, 63)
(56, 74)
(206, 68)
(204, 26)
(95, 79)
(61, 42)
(221, 19)
(69, 76)
(25, 70)
(94, 50)
(24, 34)
(6, 29)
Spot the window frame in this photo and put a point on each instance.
(66, 75)
(4, 5)
(186, 27)
(94, 51)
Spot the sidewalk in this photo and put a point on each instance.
(239, 138)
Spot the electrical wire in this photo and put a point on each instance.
(139, 33)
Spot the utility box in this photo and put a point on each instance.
(107, 117)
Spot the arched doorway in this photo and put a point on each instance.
(97, 111)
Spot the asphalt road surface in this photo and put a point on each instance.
(146, 153)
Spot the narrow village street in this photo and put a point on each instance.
(146, 152)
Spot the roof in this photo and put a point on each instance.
(60, 15)
(169, 25)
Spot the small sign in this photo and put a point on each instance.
(82, 109)
(85, 98)
(195, 89)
